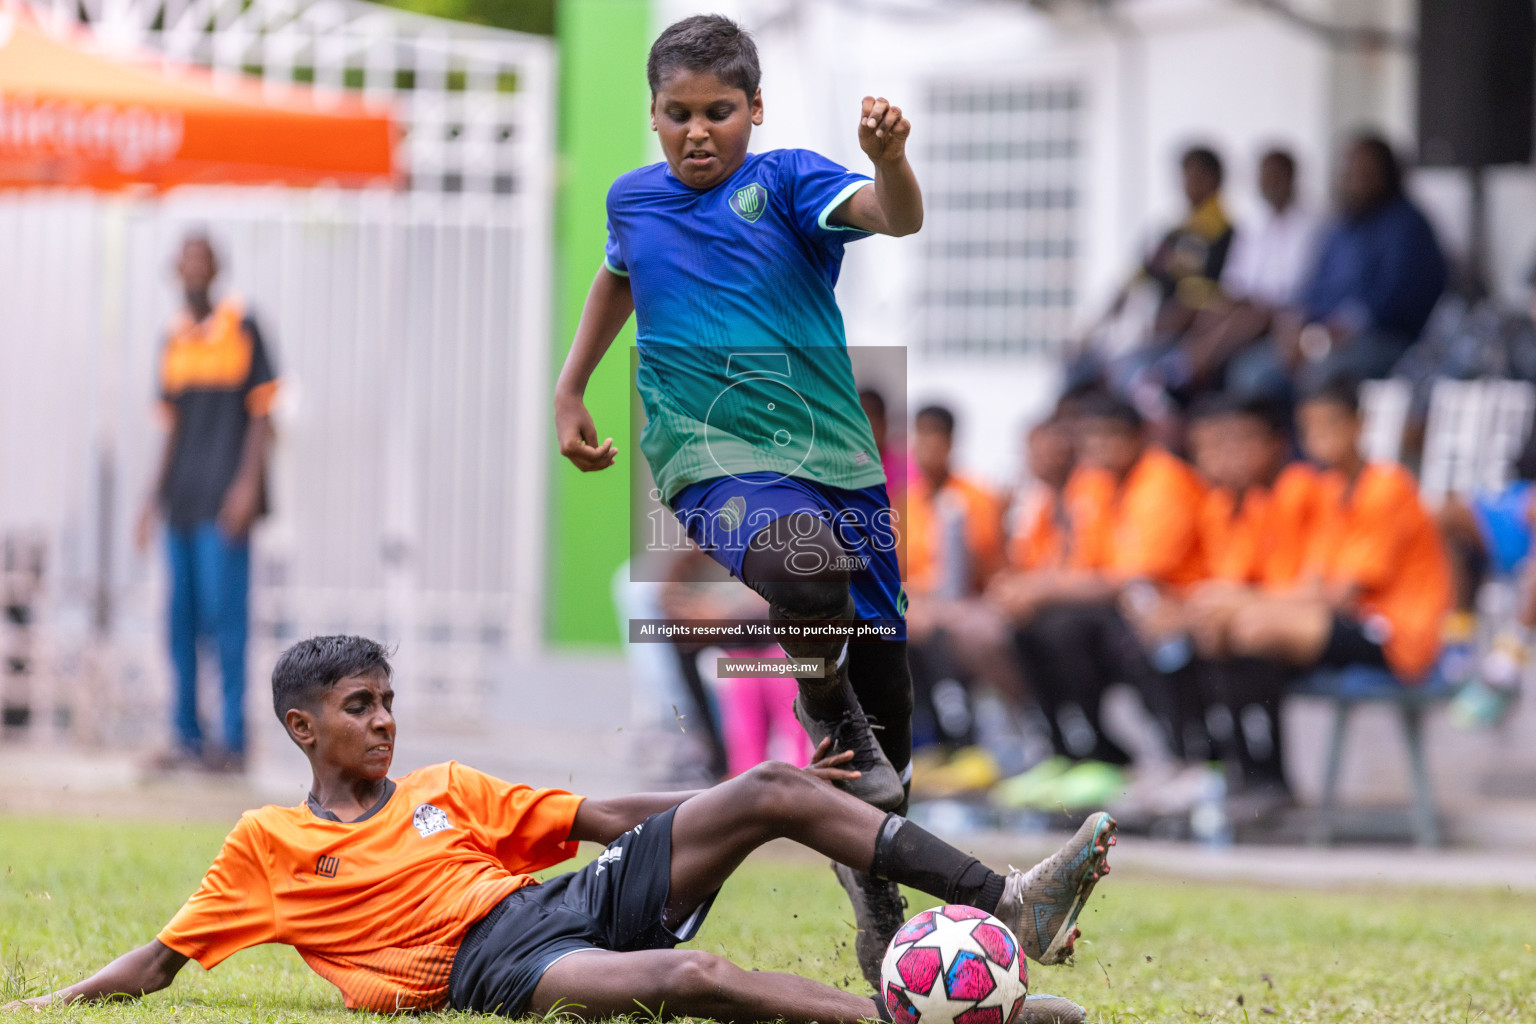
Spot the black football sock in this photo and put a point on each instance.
(828, 698)
(909, 855)
(882, 680)
(882, 1012)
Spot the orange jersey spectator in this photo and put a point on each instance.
(378, 906)
(1040, 527)
(1378, 538)
(927, 510)
(1146, 527)
(936, 499)
(1041, 535)
(1262, 538)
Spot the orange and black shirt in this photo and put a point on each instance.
(379, 906)
(215, 375)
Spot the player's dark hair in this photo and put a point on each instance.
(1101, 405)
(1206, 159)
(937, 416)
(874, 399)
(1341, 390)
(310, 667)
(709, 43)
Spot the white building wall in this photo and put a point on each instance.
(1158, 75)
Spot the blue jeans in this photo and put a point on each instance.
(210, 589)
(1259, 370)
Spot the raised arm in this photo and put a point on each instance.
(609, 304)
(894, 206)
(149, 968)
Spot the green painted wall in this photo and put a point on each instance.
(603, 129)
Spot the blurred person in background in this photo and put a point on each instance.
(1134, 511)
(1488, 536)
(893, 450)
(1184, 269)
(1187, 261)
(1378, 277)
(1040, 525)
(217, 386)
(1270, 263)
(954, 544)
(1256, 523)
(1375, 584)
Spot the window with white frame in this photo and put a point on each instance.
(1002, 168)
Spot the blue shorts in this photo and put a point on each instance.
(723, 514)
(1504, 521)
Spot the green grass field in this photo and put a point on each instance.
(74, 893)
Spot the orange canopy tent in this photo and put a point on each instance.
(71, 117)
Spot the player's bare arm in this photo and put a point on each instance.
(150, 968)
(894, 204)
(242, 502)
(609, 304)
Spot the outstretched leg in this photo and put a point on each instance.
(714, 831)
(596, 985)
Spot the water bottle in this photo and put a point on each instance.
(1208, 821)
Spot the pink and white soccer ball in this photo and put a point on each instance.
(954, 965)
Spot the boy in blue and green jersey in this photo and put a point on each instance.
(754, 432)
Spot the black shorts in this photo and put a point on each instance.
(1353, 641)
(614, 903)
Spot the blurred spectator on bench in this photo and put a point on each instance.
(1183, 269)
(1256, 524)
(1270, 263)
(1378, 277)
(1040, 533)
(1375, 585)
(953, 546)
(1489, 537)
(1134, 516)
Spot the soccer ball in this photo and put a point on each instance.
(954, 965)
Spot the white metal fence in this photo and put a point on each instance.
(473, 101)
(408, 486)
(411, 331)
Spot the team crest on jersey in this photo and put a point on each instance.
(733, 513)
(749, 202)
(430, 819)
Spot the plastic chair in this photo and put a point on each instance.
(1347, 689)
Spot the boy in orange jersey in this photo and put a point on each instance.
(1375, 584)
(1133, 508)
(1041, 532)
(1255, 525)
(414, 894)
